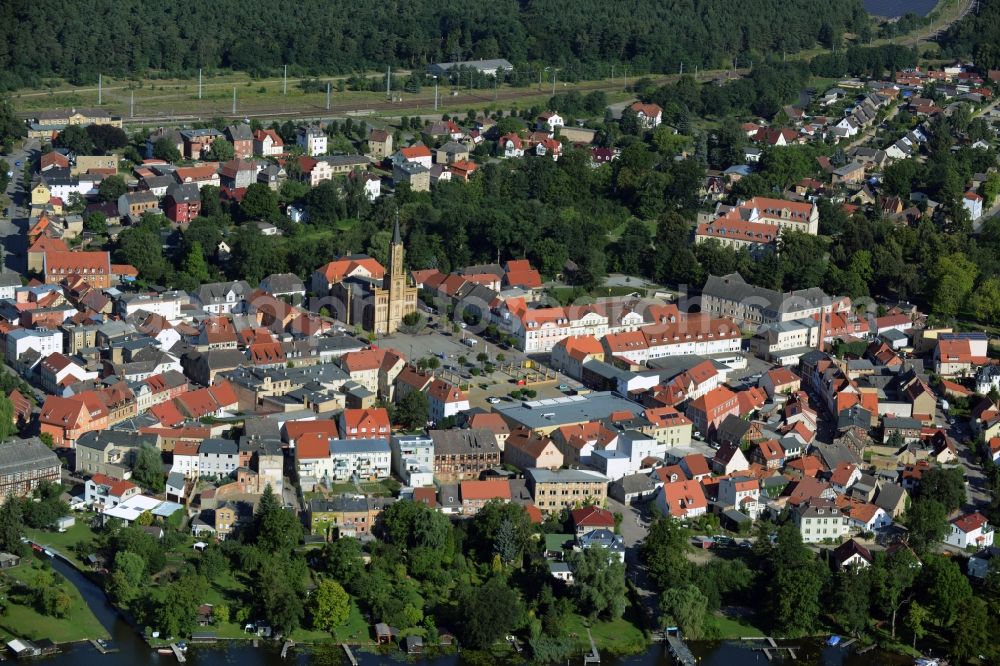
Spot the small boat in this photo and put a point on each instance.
(165, 651)
(927, 661)
(833, 640)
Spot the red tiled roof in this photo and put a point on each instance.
(970, 522)
(684, 496)
(296, 429)
(490, 421)
(415, 152)
(77, 263)
(593, 516)
(312, 445)
(485, 490)
(337, 270)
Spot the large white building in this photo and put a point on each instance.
(167, 305)
(365, 458)
(821, 520)
(413, 459)
(970, 530)
(312, 140)
(218, 457)
(43, 341)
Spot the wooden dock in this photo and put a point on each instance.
(849, 643)
(867, 648)
(100, 648)
(771, 649)
(679, 650)
(592, 657)
(286, 647)
(350, 655)
(177, 653)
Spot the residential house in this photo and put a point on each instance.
(238, 174)
(683, 500)
(970, 531)
(589, 518)
(849, 173)
(649, 115)
(475, 494)
(182, 203)
(267, 143)
(367, 459)
(379, 144)
(218, 457)
(851, 554)
(365, 424)
(709, 410)
(24, 464)
(525, 449)
(417, 176)
(242, 139)
(820, 520)
(554, 490)
(460, 455)
(104, 492)
(312, 140)
(413, 459)
(510, 146)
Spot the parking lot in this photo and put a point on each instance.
(448, 347)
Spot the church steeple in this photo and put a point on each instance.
(396, 238)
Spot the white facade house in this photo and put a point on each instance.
(186, 460)
(987, 379)
(365, 458)
(820, 520)
(741, 493)
(312, 140)
(413, 459)
(9, 284)
(167, 305)
(43, 341)
(218, 457)
(445, 400)
(971, 530)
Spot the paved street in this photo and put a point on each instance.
(12, 225)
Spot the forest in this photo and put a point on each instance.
(313, 37)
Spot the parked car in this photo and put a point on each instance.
(493, 400)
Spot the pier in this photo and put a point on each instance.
(350, 655)
(102, 648)
(592, 657)
(679, 650)
(286, 647)
(771, 649)
(177, 653)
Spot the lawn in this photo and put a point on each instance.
(24, 621)
(383, 488)
(65, 542)
(727, 627)
(617, 636)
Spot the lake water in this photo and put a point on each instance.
(133, 651)
(894, 8)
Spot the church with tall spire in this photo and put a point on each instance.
(366, 293)
(399, 296)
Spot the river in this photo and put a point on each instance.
(133, 651)
(894, 8)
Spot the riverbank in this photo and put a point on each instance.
(21, 618)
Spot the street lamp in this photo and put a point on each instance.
(435, 92)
